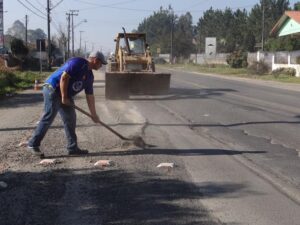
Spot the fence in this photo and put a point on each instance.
(274, 60)
(277, 60)
(219, 58)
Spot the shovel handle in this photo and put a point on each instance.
(103, 124)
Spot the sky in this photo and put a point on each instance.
(105, 18)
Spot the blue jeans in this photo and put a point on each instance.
(52, 105)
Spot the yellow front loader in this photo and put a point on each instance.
(131, 70)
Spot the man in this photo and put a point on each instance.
(59, 89)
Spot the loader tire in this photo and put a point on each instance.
(153, 67)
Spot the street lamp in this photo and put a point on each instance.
(82, 21)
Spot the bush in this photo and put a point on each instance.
(7, 82)
(10, 82)
(31, 64)
(284, 71)
(237, 59)
(258, 68)
(212, 65)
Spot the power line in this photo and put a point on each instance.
(116, 3)
(35, 7)
(141, 10)
(55, 25)
(113, 7)
(31, 10)
(40, 3)
(57, 4)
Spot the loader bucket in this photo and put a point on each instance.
(120, 85)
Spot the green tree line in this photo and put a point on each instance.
(237, 30)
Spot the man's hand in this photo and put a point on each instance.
(91, 103)
(96, 118)
(66, 101)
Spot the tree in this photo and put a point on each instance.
(158, 28)
(227, 26)
(62, 40)
(18, 31)
(273, 10)
(238, 30)
(297, 6)
(18, 48)
(211, 24)
(183, 36)
(235, 30)
(240, 35)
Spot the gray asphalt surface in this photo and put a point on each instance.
(234, 145)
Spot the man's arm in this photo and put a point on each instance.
(64, 83)
(91, 104)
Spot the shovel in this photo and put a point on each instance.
(136, 140)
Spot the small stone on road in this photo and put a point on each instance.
(104, 163)
(166, 165)
(3, 185)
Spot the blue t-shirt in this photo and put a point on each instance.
(81, 77)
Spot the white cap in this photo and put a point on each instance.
(98, 55)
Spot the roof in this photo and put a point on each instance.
(291, 17)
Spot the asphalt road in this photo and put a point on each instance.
(233, 143)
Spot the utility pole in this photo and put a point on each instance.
(263, 25)
(2, 24)
(48, 25)
(85, 49)
(49, 41)
(172, 22)
(26, 29)
(73, 13)
(81, 31)
(69, 31)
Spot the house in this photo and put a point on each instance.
(288, 24)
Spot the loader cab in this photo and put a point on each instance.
(136, 43)
(137, 46)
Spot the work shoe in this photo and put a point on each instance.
(34, 150)
(78, 151)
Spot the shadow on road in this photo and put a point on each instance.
(156, 151)
(184, 93)
(33, 127)
(195, 124)
(191, 125)
(105, 197)
(179, 152)
(22, 99)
